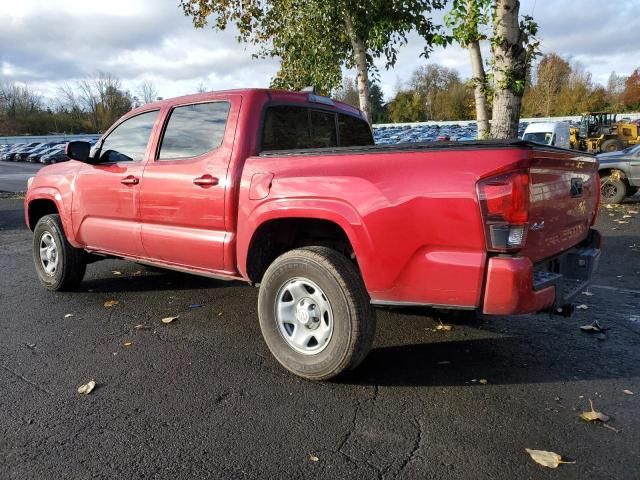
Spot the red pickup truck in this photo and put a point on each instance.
(287, 191)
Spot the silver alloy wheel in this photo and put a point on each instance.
(48, 253)
(304, 317)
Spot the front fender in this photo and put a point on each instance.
(62, 203)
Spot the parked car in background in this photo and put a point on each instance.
(22, 156)
(8, 155)
(36, 155)
(27, 148)
(619, 174)
(57, 156)
(548, 133)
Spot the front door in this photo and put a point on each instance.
(105, 211)
(183, 188)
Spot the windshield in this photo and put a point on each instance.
(538, 137)
(632, 150)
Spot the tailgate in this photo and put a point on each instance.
(563, 201)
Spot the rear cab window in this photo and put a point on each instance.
(292, 127)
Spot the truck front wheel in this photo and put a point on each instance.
(315, 313)
(59, 265)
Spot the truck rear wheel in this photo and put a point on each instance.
(315, 313)
(59, 265)
(613, 189)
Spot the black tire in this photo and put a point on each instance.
(70, 262)
(611, 145)
(353, 317)
(613, 189)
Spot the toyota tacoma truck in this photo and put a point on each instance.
(287, 191)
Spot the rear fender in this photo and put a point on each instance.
(332, 210)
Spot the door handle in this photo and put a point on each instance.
(130, 180)
(205, 181)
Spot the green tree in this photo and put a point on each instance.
(316, 38)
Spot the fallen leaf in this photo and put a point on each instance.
(628, 392)
(622, 221)
(137, 273)
(546, 459)
(116, 272)
(169, 319)
(68, 315)
(634, 212)
(313, 458)
(142, 327)
(589, 328)
(87, 388)
(220, 314)
(110, 303)
(588, 294)
(483, 381)
(626, 216)
(582, 307)
(444, 328)
(594, 416)
(127, 344)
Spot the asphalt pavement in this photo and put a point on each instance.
(14, 175)
(203, 398)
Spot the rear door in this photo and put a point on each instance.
(183, 188)
(105, 210)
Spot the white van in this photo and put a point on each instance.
(548, 133)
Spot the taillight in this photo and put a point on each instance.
(504, 201)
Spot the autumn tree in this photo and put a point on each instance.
(433, 92)
(315, 39)
(101, 96)
(513, 46)
(631, 93)
(552, 74)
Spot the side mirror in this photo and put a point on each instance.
(78, 151)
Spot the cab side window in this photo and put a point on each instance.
(194, 129)
(128, 141)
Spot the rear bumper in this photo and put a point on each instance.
(516, 286)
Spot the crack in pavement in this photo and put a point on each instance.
(24, 379)
(417, 444)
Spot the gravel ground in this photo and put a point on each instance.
(203, 398)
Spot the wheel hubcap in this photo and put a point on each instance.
(303, 315)
(608, 190)
(48, 253)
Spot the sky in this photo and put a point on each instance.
(47, 44)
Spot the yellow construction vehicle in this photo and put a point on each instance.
(601, 132)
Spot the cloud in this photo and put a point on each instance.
(49, 43)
